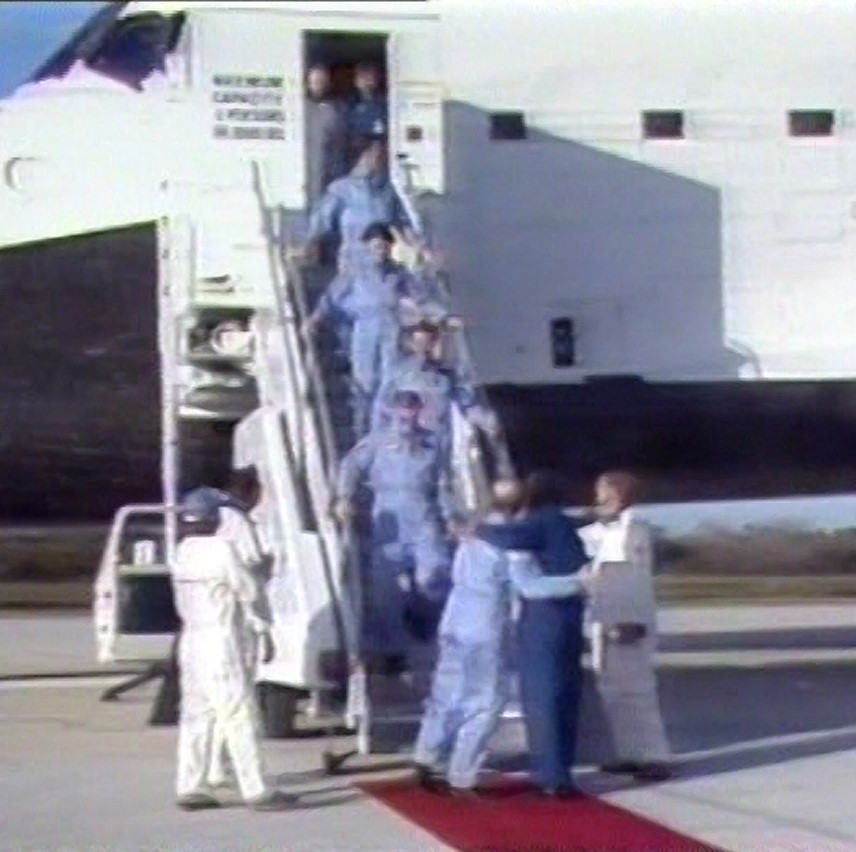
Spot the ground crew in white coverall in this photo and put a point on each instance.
(238, 526)
(622, 616)
(217, 599)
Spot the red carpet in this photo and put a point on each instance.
(513, 819)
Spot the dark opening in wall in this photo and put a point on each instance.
(507, 126)
(562, 342)
(811, 122)
(663, 124)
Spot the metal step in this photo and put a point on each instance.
(208, 358)
(215, 402)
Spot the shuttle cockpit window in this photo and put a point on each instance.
(80, 45)
(136, 48)
(129, 53)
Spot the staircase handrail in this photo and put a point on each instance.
(463, 360)
(316, 448)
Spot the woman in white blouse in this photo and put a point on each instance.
(622, 614)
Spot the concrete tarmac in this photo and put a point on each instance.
(760, 705)
(766, 762)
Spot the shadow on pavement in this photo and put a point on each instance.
(725, 719)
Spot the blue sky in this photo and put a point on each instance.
(31, 32)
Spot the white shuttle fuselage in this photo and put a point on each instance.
(725, 251)
(663, 189)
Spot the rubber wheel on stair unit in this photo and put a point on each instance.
(278, 706)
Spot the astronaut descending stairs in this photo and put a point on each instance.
(226, 264)
(378, 704)
(231, 351)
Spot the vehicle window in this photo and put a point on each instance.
(142, 541)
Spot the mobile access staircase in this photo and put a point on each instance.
(232, 302)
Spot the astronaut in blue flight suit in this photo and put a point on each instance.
(469, 688)
(412, 515)
(348, 206)
(373, 300)
(549, 637)
(367, 112)
(352, 203)
(440, 387)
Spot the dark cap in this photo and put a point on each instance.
(378, 230)
(202, 505)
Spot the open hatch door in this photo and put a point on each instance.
(416, 103)
(250, 87)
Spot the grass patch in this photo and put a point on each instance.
(716, 563)
(56, 595)
(758, 551)
(728, 590)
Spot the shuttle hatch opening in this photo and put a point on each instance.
(343, 54)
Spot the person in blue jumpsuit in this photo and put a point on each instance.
(372, 299)
(469, 686)
(440, 387)
(349, 206)
(412, 516)
(352, 203)
(367, 112)
(550, 635)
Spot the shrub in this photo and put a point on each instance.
(759, 551)
(62, 554)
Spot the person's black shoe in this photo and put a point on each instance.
(340, 364)
(197, 802)
(561, 793)
(421, 619)
(276, 800)
(621, 767)
(653, 772)
(429, 780)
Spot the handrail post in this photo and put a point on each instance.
(317, 442)
(167, 345)
(474, 461)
